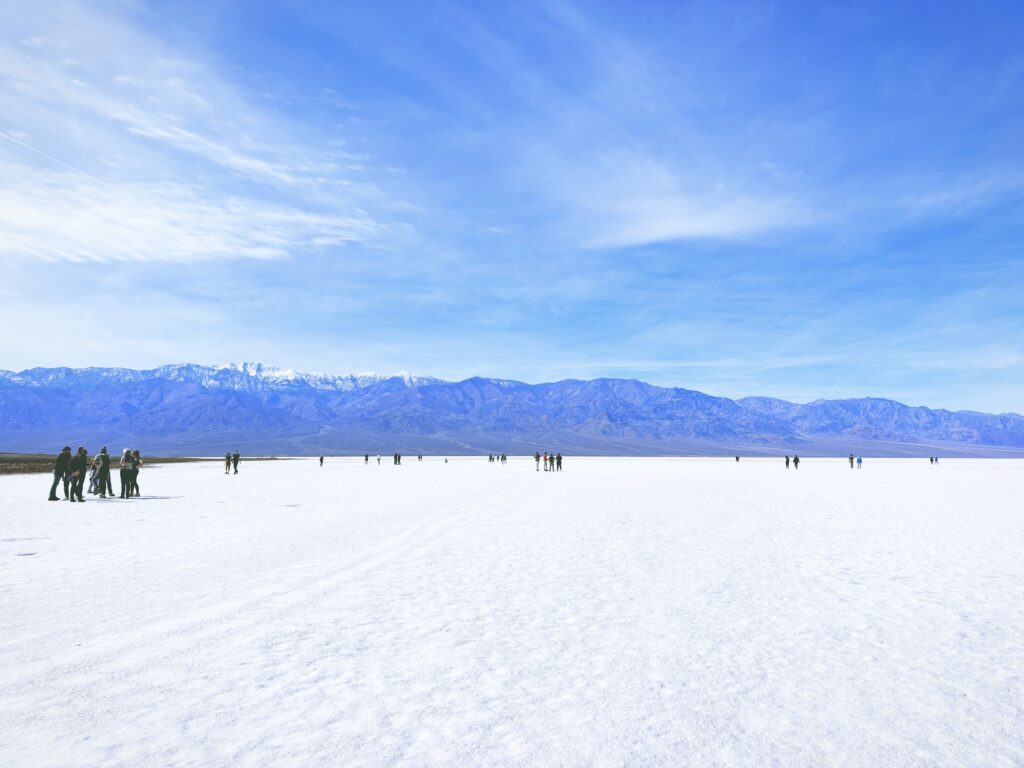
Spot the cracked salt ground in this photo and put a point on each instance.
(624, 612)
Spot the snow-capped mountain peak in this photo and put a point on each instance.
(237, 376)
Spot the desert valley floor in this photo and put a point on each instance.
(622, 612)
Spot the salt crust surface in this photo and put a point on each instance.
(624, 612)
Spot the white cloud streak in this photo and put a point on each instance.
(58, 216)
(117, 148)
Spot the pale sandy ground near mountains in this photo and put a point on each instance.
(624, 612)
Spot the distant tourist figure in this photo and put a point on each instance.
(931, 459)
(737, 458)
(796, 462)
(378, 459)
(545, 461)
(125, 471)
(420, 457)
(321, 459)
(227, 463)
(136, 466)
(445, 459)
(859, 462)
(536, 459)
(94, 475)
(787, 462)
(61, 472)
(78, 465)
(558, 461)
(105, 486)
(851, 461)
(234, 460)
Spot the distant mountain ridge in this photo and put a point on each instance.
(196, 409)
(248, 376)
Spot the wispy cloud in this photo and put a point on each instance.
(115, 146)
(56, 216)
(622, 199)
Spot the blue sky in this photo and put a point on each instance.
(794, 199)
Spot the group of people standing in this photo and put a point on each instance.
(499, 458)
(552, 462)
(72, 469)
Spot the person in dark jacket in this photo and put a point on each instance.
(796, 462)
(136, 464)
(125, 470)
(227, 463)
(78, 465)
(61, 472)
(321, 459)
(234, 460)
(106, 487)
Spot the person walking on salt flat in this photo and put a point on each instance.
(321, 459)
(125, 471)
(94, 475)
(787, 462)
(234, 460)
(61, 472)
(860, 461)
(105, 486)
(796, 462)
(851, 461)
(79, 465)
(536, 459)
(227, 463)
(136, 466)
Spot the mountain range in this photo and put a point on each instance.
(206, 410)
